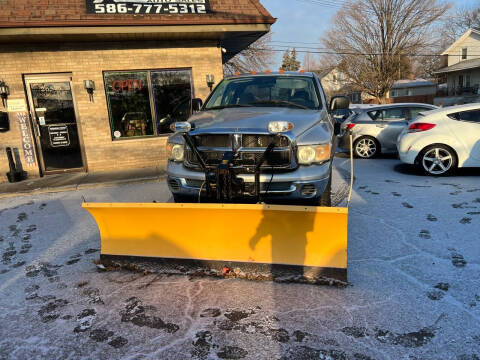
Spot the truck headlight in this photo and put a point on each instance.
(175, 152)
(313, 154)
(276, 127)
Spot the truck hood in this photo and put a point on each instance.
(253, 120)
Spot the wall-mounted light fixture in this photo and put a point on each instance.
(90, 87)
(210, 81)
(4, 92)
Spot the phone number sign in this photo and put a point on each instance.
(148, 6)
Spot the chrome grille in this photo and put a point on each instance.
(213, 141)
(262, 141)
(212, 148)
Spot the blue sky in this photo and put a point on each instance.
(304, 21)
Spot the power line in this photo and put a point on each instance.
(332, 52)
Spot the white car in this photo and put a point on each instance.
(439, 141)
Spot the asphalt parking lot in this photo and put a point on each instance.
(414, 270)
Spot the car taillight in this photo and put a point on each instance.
(350, 126)
(419, 127)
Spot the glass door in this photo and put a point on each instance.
(55, 124)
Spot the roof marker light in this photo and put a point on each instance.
(254, 73)
(282, 71)
(302, 71)
(236, 74)
(267, 72)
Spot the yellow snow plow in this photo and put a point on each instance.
(303, 244)
(313, 239)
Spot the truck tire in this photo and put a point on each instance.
(177, 198)
(326, 199)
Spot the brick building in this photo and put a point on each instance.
(147, 61)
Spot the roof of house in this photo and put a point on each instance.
(35, 13)
(322, 73)
(461, 39)
(463, 65)
(232, 24)
(407, 84)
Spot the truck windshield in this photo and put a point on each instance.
(276, 91)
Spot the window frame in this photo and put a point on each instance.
(322, 103)
(151, 101)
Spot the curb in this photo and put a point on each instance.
(76, 187)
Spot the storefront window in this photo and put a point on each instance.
(128, 97)
(131, 96)
(172, 93)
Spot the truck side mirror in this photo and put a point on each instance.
(339, 103)
(4, 123)
(197, 104)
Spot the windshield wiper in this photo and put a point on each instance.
(228, 106)
(279, 102)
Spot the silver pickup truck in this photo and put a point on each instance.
(262, 138)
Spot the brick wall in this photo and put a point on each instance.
(87, 64)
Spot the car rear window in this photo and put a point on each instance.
(387, 114)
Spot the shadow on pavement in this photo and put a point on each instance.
(408, 169)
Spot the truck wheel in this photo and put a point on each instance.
(183, 199)
(326, 199)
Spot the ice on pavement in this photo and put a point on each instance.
(414, 269)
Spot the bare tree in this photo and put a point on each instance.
(309, 63)
(458, 22)
(256, 57)
(371, 38)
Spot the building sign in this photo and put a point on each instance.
(27, 142)
(148, 6)
(59, 136)
(17, 105)
(127, 85)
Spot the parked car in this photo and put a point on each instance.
(341, 115)
(440, 141)
(244, 116)
(376, 128)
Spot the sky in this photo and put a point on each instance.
(303, 22)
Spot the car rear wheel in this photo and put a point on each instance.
(438, 160)
(366, 147)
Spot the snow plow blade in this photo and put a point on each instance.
(310, 242)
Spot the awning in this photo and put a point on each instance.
(234, 38)
(461, 66)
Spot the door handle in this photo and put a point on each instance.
(381, 126)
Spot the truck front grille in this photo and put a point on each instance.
(262, 141)
(212, 148)
(277, 159)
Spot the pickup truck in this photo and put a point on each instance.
(259, 137)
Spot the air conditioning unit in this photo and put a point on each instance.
(4, 123)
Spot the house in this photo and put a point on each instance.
(93, 85)
(416, 90)
(463, 69)
(334, 82)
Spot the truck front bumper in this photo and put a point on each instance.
(307, 182)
